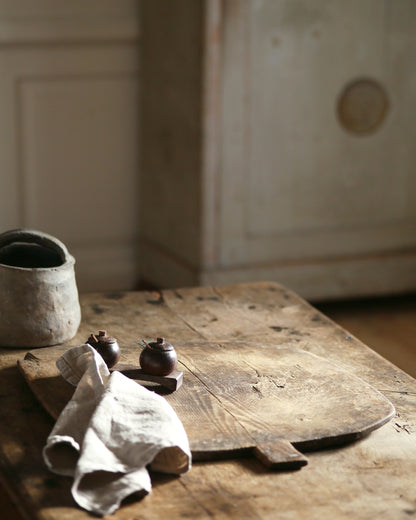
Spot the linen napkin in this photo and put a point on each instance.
(110, 431)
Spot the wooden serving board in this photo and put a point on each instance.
(240, 397)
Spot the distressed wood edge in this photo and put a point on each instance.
(280, 455)
(30, 384)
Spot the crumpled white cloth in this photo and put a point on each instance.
(109, 432)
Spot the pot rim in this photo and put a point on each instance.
(31, 236)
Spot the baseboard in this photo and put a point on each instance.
(314, 280)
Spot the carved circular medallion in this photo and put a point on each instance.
(362, 106)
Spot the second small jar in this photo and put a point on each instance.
(158, 358)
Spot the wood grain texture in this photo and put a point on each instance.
(247, 395)
(387, 325)
(371, 478)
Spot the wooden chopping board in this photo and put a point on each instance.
(243, 397)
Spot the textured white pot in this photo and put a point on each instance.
(39, 303)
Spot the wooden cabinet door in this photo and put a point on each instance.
(318, 155)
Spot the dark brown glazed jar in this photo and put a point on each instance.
(106, 346)
(158, 358)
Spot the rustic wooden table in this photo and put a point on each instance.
(371, 478)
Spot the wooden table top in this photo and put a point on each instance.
(371, 478)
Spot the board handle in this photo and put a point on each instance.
(280, 455)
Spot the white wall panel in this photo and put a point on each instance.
(295, 183)
(46, 21)
(78, 154)
(70, 131)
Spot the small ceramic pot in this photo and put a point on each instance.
(106, 346)
(158, 358)
(39, 303)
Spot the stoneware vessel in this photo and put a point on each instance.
(39, 303)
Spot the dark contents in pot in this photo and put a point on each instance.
(20, 254)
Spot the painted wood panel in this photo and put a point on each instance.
(304, 128)
(295, 183)
(171, 120)
(44, 21)
(70, 131)
(76, 142)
